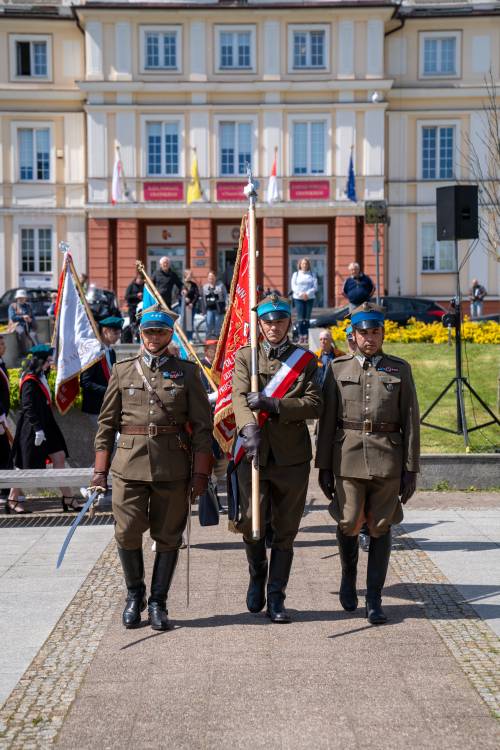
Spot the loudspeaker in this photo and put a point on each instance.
(456, 213)
(375, 212)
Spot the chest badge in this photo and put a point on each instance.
(173, 374)
(389, 386)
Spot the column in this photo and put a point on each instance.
(273, 249)
(99, 261)
(345, 252)
(201, 252)
(127, 252)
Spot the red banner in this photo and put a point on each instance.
(230, 191)
(234, 334)
(309, 190)
(163, 191)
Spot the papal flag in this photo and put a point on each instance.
(76, 342)
(194, 192)
(272, 186)
(117, 192)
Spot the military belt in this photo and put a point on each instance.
(368, 426)
(151, 430)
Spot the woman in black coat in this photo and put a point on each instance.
(38, 437)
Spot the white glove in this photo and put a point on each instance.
(212, 397)
(39, 437)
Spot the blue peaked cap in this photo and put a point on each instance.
(157, 319)
(367, 315)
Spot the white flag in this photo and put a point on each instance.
(76, 344)
(117, 182)
(272, 186)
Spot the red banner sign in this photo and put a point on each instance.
(230, 191)
(163, 191)
(309, 190)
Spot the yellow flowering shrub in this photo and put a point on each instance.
(486, 332)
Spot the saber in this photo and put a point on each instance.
(91, 498)
(188, 546)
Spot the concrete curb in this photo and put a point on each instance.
(460, 470)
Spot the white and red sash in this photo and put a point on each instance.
(105, 367)
(44, 388)
(280, 383)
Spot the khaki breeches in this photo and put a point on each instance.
(283, 491)
(161, 507)
(375, 501)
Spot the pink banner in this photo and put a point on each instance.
(309, 190)
(163, 191)
(230, 191)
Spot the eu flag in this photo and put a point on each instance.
(350, 189)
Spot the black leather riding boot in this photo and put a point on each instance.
(257, 567)
(279, 573)
(163, 572)
(378, 562)
(133, 570)
(348, 552)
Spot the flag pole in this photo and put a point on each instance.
(250, 191)
(140, 267)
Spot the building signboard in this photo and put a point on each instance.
(163, 191)
(309, 190)
(230, 191)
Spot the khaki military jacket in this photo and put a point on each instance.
(127, 402)
(384, 393)
(285, 436)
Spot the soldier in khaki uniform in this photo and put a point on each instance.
(283, 447)
(368, 452)
(159, 406)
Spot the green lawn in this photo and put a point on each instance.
(433, 367)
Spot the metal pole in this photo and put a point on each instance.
(251, 193)
(377, 263)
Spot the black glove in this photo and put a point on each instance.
(408, 485)
(326, 481)
(250, 436)
(258, 402)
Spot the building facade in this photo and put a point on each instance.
(311, 84)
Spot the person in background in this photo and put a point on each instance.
(477, 294)
(133, 295)
(165, 279)
(349, 336)
(304, 290)
(220, 460)
(51, 312)
(38, 437)
(22, 321)
(326, 353)
(84, 282)
(358, 288)
(214, 295)
(190, 296)
(94, 381)
(4, 412)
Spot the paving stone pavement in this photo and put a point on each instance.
(225, 678)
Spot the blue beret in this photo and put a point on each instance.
(157, 319)
(112, 322)
(42, 351)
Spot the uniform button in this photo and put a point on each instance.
(366, 408)
(368, 374)
(368, 385)
(368, 398)
(151, 411)
(151, 400)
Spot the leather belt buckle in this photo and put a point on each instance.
(367, 425)
(152, 430)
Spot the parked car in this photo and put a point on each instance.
(38, 298)
(495, 317)
(398, 309)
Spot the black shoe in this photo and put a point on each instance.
(279, 573)
(163, 572)
(133, 569)
(71, 504)
(378, 562)
(257, 567)
(348, 552)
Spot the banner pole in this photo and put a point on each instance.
(178, 329)
(251, 193)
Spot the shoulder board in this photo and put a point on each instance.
(127, 359)
(396, 359)
(343, 358)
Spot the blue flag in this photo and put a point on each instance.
(148, 300)
(350, 188)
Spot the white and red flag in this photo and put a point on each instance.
(235, 333)
(272, 185)
(117, 181)
(76, 342)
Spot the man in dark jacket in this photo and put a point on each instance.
(94, 381)
(358, 288)
(4, 411)
(133, 295)
(165, 279)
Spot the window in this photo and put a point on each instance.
(30, 56)
(235, 50)
(36, 250)
(308, 49)
(439, 54)
(162, 148)
(34, 153)
(308, 148)
(161, 48)
(437, 152)
(436, 256)
(235, 147)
